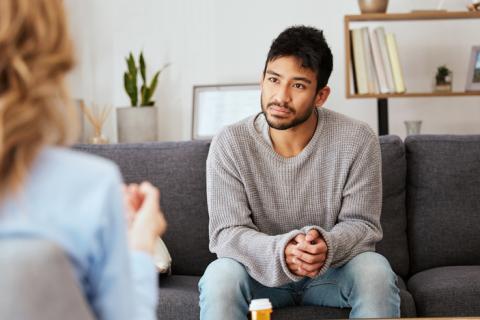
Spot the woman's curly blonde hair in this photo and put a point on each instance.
(36, 53)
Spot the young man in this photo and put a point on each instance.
(294, 197)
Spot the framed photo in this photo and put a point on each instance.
(473, 77)
(216, 106)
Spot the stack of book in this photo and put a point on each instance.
(375, 62)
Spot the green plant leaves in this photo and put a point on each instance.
(143, 68)
(130, 81)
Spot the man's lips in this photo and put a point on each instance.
(280, 111)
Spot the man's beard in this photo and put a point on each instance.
(296, 121)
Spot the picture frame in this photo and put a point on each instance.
(216, 106)
(473, 74)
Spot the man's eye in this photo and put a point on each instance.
(272, 79)
(299, 86)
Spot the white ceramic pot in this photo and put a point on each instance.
(137, 124)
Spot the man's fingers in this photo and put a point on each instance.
(311, 235)
(311, 267)
(304, 270)
(290, 259)
(317, 248)
(309, 258)
(300, 238)
(289, 249)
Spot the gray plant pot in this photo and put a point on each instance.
(137, 124)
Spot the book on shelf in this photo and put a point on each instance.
(379, 67)
(372, 82)
(380, 34)
(395, 61)
(376, 66)
(352, 70)
(360, 68)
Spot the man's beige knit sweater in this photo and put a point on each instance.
(258, 200)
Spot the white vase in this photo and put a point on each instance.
(136, 124)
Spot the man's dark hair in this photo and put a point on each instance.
(307, 44)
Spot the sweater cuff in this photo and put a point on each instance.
(330, 247)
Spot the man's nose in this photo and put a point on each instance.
(282, 95)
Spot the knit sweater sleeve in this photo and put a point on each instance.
(358, 225)
(231, 229)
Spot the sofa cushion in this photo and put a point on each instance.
(447, 291)
(443, 192)
(394, 220)
(178, 169)
(179, 300)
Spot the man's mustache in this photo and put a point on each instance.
(281, 105)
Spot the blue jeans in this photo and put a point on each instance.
(366, 284)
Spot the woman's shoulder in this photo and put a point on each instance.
(74, 168)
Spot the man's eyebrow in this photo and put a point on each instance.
(273, 73)
(303, 79)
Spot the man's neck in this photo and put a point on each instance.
(289, 143)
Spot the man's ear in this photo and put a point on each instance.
(322, 96)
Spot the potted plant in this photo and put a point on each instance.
(138, 123)
(443, 79)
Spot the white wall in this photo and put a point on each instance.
(226, 41)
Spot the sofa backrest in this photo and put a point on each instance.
(443, 200)
(178, 169)
(394, 245)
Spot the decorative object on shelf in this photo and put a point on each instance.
(413, 127)
(96, 116)
(473, 74)
(474, 6)
(373, 6)
(138, 124)
(443, 79)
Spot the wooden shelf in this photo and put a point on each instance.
(382, 99)
(440, 15)
(413, 95)
(427, 15)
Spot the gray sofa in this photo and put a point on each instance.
(430, 218)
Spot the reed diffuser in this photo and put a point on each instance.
(97, 115)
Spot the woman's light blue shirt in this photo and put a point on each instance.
(75, 200)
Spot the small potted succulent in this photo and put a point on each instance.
(138, 123)
(443, 79)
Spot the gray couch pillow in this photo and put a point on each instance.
(394, 221)
(443, 200)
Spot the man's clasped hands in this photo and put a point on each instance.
(306, 254)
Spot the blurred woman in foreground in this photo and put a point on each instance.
(48, 191)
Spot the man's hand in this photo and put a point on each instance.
(291, 259)
(306, 254)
